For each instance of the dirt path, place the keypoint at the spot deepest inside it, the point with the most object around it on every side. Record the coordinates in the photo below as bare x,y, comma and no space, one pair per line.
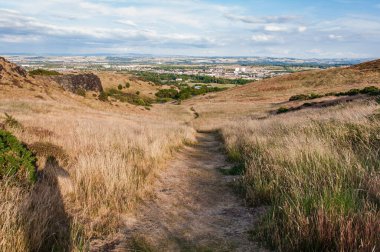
194,207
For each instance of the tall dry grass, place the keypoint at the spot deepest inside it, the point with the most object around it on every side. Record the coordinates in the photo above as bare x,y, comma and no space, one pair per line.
95,164
319,170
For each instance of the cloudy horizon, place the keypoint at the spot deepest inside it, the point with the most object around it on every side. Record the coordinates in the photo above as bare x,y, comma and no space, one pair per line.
327,29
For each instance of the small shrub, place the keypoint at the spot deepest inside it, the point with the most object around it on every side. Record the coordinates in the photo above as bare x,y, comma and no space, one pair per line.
139,102
353,92
11,122
81,92
308,104
16,161
127,85
282,110
300,97
103,96
314,96
138,92
331,94
303,97
167,93
120,87
371,90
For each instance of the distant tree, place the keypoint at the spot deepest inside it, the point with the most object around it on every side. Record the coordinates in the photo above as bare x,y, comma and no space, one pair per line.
138,92
127,85
120,87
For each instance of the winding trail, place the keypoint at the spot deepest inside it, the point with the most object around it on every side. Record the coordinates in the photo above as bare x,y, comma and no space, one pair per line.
194,207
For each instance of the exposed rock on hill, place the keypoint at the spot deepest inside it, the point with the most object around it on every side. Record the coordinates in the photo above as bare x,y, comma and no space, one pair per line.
11,73
74,82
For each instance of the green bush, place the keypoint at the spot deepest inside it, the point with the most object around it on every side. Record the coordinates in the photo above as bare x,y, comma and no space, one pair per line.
167,93
127,85
300,97
120,87
351,92
371,90
128,97
314,96
303,97
81,92
16,161
282,110
137,92
103,96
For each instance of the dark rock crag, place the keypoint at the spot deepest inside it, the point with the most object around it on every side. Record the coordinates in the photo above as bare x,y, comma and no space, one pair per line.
75,82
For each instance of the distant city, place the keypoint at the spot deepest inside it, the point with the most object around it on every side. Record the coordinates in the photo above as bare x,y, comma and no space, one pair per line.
249,68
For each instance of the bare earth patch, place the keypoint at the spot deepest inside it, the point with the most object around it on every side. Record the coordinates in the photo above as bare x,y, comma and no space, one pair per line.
193,208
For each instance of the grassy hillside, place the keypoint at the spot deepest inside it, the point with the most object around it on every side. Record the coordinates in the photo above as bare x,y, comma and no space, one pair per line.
95,160
259,98
317,168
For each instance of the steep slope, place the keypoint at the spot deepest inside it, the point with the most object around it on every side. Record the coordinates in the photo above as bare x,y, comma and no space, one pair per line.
12,74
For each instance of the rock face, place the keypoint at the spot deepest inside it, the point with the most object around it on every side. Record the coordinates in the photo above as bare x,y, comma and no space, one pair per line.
75,82
9,70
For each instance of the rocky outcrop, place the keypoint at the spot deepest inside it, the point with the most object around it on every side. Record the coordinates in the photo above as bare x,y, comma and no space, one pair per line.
75,82
11,73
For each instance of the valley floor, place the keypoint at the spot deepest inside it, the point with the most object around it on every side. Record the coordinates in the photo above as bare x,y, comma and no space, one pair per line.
193,207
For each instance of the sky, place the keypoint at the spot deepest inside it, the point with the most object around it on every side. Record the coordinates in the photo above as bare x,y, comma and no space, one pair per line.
273,28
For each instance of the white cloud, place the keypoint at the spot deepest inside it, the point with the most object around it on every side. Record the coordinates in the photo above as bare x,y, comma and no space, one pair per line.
127,22
302,29
262,38
18,38
335,37
275,28
182,26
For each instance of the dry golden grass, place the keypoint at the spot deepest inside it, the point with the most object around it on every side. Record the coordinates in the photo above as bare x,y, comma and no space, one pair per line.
318,170
259,98
106,155
113,79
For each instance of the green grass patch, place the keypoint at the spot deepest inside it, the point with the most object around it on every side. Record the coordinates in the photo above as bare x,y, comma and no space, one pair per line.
16,161
134,99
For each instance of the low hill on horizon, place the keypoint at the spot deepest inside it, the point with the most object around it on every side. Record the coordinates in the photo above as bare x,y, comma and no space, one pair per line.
259,98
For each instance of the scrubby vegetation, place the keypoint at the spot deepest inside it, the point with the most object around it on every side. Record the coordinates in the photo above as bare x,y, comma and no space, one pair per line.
86,157
165,78
16,161
370,90
320,174
81,92
185,92
43,72
135,99
303,97
282,110
103,96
